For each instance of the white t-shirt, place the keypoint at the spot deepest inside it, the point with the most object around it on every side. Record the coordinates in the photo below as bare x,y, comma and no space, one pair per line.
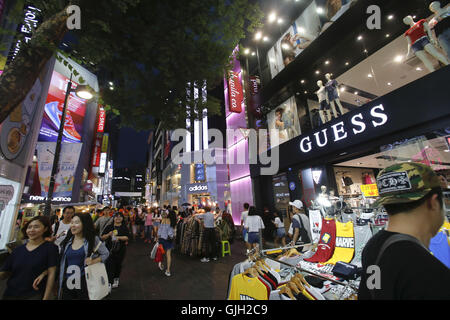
279,223
61,228
254,223
244,216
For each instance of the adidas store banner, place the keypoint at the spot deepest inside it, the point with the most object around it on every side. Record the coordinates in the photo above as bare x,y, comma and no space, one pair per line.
197,188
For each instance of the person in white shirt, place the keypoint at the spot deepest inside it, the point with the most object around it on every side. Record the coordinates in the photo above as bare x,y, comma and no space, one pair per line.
253,224
244,216
60,228
280,232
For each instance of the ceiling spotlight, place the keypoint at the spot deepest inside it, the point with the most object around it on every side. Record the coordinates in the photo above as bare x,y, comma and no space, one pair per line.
398,58
365,51
320,10
305,92
342,89
347,63
111,84
327,62
247,51
391,17
356,92
258,35
388,35
253,53
272,17
280,21
389,84
359,38
317,71
369,75
419,69
303,81
265,39
111,88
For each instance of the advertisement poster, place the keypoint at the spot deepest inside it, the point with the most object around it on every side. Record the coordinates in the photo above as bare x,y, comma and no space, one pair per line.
314,20
76,110
15,131
69,156
284,119
9,192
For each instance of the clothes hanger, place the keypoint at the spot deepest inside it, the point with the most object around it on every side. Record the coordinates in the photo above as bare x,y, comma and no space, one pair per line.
287,291
298,283
294,288
251,272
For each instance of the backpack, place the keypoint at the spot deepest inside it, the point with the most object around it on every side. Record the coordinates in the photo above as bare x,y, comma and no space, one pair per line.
56,227
303,236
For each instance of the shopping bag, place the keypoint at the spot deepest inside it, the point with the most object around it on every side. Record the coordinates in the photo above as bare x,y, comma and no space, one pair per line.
159,254
155,248
97,279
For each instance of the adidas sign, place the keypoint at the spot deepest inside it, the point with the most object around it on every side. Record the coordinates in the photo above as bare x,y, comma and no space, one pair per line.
198,188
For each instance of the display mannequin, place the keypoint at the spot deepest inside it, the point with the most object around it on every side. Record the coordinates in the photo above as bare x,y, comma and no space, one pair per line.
441,25
323,191
333,95
324,111
419,37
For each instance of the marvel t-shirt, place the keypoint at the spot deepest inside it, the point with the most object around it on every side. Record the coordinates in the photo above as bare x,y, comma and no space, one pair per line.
407,271
327,242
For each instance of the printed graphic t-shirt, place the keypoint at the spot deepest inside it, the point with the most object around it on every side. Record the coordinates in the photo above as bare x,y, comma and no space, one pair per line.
246,288
362,236
345,243
327,242
315,220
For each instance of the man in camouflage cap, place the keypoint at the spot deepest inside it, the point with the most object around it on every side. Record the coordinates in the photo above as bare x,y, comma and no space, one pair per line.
411,193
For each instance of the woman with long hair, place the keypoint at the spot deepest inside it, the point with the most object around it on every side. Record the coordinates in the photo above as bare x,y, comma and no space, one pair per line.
116,236
156,221
29,264
166,234
148,226
76,251
253,224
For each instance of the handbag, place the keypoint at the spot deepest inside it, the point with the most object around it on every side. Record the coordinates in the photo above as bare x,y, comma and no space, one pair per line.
153,252
97,279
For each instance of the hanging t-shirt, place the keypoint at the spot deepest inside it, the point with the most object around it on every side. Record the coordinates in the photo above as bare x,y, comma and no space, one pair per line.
327,242
362,236
345,243
417,31
440,248
315,220
246,288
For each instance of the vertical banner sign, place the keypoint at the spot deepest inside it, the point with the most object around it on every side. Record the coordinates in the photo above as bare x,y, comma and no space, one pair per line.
101,120
167,146
235,92
105,142
255,106
96,152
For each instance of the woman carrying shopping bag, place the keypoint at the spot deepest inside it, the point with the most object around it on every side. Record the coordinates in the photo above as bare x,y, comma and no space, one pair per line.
76,253
166,235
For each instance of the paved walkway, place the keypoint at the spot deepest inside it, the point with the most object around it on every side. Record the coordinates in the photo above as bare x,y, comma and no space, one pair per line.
191,279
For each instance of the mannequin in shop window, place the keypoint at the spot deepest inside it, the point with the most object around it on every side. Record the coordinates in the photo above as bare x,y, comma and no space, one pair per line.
440,25
422,42
324,111
332,89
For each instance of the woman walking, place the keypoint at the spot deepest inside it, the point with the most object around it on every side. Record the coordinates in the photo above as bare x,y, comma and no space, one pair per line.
116,235
77,248
29,264
280,231
148,226
165,237
253,224
156,221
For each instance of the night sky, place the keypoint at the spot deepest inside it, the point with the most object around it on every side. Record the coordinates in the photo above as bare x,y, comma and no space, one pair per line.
132,149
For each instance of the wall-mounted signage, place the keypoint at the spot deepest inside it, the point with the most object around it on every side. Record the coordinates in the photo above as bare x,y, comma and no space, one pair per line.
101,120
97,151
105,142
369,190
235,92
102,166
197,188
200,172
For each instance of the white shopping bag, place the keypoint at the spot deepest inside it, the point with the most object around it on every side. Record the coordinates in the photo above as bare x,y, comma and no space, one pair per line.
97,279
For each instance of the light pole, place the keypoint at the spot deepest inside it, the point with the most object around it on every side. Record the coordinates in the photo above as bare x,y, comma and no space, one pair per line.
84,92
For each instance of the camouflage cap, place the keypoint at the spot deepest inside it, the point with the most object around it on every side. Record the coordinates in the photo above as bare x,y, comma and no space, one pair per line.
405,182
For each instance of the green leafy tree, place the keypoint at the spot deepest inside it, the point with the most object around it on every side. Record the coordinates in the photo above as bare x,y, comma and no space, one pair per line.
155,51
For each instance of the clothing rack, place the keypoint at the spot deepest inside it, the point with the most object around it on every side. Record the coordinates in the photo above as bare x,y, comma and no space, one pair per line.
314,274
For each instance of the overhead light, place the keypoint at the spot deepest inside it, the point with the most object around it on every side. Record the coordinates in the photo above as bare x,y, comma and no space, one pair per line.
111,84
317,71
347,63
398,58
320,10
272,17
342,89
365,51
111,88
356,92
253,53
84,92
359,38
280,21
285,46
265,39
303,81
305,92
301,30
258,35
390,17
327,62
369,75
389,84
247,51
414,17
419,69
387,35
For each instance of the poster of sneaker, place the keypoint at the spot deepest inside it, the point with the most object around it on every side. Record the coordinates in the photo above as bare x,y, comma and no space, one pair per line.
51,121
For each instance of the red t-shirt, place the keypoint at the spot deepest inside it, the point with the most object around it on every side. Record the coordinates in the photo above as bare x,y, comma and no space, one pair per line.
417,31
327,242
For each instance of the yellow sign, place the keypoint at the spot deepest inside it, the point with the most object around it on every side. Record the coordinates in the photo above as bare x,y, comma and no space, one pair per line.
369,190
105,143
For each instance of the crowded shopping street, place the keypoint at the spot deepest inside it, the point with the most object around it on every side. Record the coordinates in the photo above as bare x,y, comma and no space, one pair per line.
213,157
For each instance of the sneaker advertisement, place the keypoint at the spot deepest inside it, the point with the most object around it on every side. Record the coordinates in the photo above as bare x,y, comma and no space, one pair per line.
76,110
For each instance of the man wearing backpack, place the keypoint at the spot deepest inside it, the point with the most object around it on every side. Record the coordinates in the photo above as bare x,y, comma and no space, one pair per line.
396,262
61,227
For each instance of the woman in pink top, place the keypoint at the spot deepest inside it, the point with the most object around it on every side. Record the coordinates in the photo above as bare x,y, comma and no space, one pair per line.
148,226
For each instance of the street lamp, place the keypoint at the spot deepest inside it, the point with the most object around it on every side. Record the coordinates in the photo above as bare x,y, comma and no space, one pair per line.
84,92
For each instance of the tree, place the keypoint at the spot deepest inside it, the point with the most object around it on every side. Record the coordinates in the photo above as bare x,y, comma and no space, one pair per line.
155,52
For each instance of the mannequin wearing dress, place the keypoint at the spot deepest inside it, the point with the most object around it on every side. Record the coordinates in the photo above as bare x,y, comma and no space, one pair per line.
422,42
333,95
324,111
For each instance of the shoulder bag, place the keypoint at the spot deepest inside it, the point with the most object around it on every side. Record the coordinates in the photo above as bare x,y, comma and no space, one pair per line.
97,279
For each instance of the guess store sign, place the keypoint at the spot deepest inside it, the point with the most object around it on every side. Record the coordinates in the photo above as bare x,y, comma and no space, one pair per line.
235,92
